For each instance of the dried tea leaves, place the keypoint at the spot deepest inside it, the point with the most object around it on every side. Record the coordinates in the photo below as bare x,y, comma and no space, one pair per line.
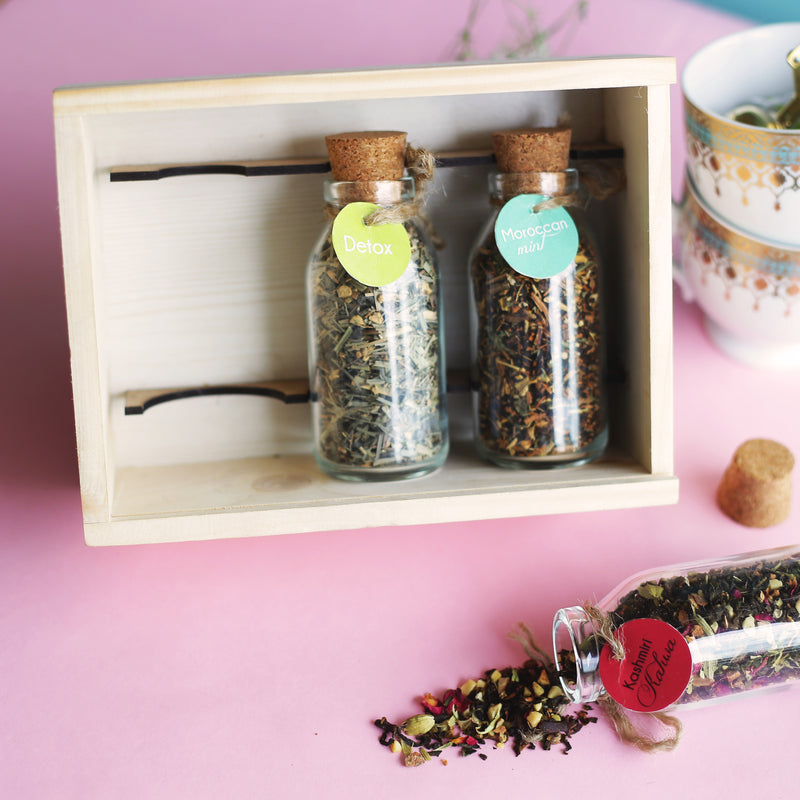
539,358
524,706
377,384
759,605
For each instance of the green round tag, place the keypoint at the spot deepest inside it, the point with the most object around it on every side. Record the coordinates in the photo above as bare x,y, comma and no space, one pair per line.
375,255
537,244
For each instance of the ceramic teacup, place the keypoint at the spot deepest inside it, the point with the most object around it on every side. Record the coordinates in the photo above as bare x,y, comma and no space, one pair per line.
748,175
748,288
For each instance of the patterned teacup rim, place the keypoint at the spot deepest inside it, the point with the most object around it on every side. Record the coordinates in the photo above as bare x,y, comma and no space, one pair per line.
741,68
738,247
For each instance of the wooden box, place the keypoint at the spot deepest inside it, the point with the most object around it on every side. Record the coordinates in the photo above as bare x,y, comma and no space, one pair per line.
188,211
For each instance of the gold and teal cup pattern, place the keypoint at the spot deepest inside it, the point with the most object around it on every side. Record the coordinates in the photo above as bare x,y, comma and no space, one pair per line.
748,176
747,288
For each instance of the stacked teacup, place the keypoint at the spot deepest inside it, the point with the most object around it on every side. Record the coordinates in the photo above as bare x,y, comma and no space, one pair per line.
738,247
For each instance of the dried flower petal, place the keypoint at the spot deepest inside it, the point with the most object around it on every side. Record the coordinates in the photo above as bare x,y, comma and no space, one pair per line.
433,704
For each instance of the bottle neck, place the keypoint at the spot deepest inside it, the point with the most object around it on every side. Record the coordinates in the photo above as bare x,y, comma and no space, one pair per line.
575,636
505,185
382,193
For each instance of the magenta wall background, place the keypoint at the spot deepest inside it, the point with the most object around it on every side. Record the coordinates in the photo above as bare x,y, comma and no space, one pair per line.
252,668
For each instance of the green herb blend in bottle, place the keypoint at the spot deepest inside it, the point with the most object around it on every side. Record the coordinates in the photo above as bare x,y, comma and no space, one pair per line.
376,360
537,334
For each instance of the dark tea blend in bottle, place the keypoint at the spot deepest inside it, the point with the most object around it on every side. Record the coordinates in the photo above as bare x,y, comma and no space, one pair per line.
376,361
686,634
537,332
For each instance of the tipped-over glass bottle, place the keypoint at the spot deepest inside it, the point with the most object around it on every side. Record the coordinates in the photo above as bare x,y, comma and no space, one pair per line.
690,633
376,351
536,317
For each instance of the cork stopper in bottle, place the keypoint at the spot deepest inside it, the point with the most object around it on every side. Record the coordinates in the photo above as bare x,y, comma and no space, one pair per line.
367,155
532,149
756,487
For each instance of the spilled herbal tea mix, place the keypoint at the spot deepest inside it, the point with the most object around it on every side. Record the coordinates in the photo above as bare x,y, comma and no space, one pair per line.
538,344
685,634
524,707
375,317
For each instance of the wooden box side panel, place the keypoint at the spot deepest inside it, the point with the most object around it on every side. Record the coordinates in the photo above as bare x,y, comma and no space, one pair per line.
85,316
662,416
638,118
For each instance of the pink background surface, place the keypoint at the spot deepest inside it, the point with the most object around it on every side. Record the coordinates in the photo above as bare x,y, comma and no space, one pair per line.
253,668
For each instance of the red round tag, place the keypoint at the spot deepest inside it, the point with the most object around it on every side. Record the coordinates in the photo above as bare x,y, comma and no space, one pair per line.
656,669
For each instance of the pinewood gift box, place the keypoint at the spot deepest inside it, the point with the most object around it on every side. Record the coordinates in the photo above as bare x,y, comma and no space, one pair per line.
188,211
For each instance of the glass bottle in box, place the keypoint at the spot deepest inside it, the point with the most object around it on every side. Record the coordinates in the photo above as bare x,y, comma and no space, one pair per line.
376,350
689,633
536,316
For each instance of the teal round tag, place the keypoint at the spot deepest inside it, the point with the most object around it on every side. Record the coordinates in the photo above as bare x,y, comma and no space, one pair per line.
537,244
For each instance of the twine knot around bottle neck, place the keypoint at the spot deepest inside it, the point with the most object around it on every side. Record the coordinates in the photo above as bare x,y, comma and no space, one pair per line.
399,200
573,187
588,631
555,188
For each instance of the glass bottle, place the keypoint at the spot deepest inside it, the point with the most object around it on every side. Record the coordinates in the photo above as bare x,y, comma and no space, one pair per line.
376,352
736,621
536,316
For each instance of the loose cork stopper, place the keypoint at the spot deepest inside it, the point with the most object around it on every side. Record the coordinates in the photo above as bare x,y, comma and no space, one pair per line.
756,487
532,149
367,155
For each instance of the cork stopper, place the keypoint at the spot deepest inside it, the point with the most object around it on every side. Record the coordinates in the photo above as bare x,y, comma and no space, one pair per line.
532,149
756,487
367,155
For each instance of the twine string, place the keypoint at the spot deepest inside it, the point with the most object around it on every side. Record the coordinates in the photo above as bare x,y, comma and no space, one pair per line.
643,731
604,628
559,201
632,727
598,181
421,166
524,636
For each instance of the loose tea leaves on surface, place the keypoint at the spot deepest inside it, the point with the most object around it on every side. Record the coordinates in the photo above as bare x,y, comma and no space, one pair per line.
743,624
378,383
522,705
540,388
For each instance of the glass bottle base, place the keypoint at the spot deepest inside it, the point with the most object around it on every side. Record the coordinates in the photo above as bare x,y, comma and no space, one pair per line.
575,458
378,474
